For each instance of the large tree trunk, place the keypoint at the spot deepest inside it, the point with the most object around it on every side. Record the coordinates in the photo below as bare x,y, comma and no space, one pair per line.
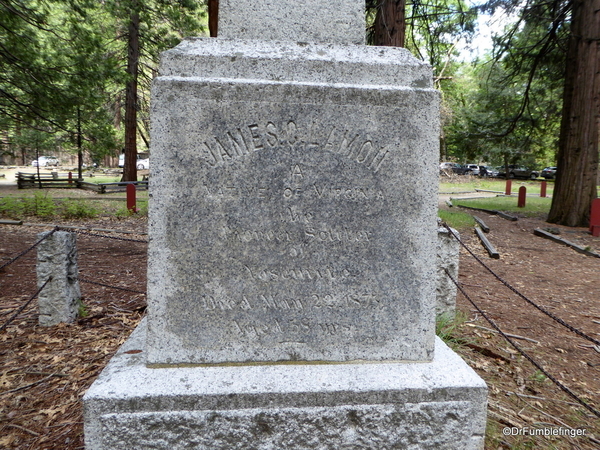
576,177
390,24
133,56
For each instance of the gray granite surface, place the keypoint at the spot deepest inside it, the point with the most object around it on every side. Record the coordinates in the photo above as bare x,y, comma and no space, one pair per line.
291,220
340,21
436,405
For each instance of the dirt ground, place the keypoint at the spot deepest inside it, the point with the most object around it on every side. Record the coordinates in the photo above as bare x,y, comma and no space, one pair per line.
44,372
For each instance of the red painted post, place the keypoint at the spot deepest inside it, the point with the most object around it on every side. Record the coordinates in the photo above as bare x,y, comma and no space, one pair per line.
595,218
522,195
508,187
70,178
131,198
543,189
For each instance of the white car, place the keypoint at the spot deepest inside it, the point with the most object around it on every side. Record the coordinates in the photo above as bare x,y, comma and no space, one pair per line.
143,164
44,161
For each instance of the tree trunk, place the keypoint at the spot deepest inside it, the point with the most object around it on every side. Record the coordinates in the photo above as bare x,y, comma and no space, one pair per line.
577,163
390,24
213,17
79,147
133,56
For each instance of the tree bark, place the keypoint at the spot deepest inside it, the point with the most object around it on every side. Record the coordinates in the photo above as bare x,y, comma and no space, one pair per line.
213,17
133,56
576,177
390,25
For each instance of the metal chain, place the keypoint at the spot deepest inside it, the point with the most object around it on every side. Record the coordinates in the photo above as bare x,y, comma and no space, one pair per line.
25,305
522,352
548,313
84,280
23,253
86,233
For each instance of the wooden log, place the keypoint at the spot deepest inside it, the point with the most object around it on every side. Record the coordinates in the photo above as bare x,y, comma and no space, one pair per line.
507,216
487,244
492,212
577,248
482,224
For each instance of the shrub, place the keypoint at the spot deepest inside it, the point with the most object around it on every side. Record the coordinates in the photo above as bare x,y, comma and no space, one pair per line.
78,209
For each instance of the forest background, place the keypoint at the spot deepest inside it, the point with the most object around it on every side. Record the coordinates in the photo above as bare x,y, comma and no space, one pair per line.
75,79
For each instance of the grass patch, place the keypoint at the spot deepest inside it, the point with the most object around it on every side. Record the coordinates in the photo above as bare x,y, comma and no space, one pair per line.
43,206
471,184
534,206
456,219
447,328
102,179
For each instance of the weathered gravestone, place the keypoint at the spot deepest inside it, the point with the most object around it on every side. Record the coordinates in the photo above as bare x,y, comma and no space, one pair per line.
292,273
60,298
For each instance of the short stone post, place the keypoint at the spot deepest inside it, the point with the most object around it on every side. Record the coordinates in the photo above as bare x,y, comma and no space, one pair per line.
595,218
522,197
57,258
543,189
447,259
131,202
508,189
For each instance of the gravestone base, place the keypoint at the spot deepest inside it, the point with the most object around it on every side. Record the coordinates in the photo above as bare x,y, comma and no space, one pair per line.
362,405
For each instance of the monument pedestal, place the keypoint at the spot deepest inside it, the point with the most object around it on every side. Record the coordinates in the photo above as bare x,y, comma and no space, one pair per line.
362,405
292,254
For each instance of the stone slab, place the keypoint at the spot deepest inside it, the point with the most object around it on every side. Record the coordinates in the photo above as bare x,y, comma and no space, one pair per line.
436,405
342,21
282,62
291,220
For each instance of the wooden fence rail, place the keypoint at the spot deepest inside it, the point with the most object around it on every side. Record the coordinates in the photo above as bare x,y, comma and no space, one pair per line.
56,180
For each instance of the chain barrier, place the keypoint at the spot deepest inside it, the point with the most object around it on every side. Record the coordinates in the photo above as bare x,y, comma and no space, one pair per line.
87,233
532,303
20,310
522,352
23,253
84,280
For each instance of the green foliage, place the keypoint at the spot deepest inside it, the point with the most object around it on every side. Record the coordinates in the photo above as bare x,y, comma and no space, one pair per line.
142,210
62,69
78,209
40,206
82,309
11,208
456,219
538,376
508,110
447,327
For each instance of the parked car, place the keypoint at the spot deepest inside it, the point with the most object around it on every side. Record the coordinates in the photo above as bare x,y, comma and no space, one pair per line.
515,171
474,169
549,173
44,161
143,164
488,171
454,168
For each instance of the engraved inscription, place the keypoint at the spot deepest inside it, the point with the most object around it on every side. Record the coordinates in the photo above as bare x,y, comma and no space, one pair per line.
351,300
297,273
253,329
245,140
